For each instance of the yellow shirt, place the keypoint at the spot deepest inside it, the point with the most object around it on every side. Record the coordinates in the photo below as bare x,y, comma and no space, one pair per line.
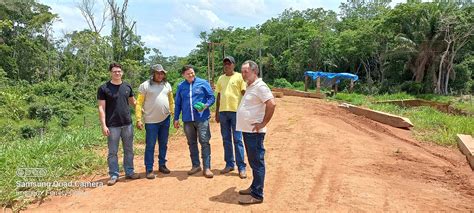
230,88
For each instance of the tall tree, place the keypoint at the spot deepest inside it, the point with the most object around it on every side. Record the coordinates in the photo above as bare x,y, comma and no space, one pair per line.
87,8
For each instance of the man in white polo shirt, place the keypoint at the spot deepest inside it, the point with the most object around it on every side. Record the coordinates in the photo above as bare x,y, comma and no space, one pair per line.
254,112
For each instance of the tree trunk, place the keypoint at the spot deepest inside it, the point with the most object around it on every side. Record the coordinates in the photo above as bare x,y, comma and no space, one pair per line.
438,89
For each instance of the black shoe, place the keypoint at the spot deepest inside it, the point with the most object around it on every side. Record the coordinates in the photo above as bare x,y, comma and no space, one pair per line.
163,169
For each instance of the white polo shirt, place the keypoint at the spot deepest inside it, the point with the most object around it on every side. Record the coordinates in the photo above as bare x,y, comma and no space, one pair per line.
252,107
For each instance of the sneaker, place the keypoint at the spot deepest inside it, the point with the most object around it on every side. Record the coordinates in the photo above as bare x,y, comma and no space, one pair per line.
227,170
194,170
248,199
245,191
150,175
112,181
242,174
164,170
134,176
207,173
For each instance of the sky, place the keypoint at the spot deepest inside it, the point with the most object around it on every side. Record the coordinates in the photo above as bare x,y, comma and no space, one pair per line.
173,26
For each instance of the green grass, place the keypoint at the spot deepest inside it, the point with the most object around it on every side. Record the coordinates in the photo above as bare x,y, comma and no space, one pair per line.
66,153
353,98
467,106
395,96
63,154
429,124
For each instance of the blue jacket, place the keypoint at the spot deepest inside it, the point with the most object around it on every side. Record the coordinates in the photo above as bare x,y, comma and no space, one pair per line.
189,94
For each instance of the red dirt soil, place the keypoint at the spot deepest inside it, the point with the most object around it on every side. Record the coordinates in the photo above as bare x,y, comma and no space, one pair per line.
318,157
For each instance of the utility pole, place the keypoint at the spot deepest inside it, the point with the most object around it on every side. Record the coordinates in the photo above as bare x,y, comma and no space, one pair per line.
260,53
210,60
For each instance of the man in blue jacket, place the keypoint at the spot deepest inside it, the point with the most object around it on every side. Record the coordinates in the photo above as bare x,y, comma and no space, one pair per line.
193,98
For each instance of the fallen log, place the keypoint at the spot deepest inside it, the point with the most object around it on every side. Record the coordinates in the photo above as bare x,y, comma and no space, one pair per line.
382,117
278,94
297,93
466,145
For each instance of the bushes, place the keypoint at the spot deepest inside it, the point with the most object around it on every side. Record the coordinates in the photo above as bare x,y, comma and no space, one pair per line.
65,116
282,83
366,89
49,88
412,87
41,112
12,105
28,131
299,85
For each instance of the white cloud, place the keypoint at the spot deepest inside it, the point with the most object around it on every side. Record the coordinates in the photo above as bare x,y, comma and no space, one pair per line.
200,18
205,4
152,40
173,26
301,4
193,18
70,18
168,44
247,8
177,25
395,2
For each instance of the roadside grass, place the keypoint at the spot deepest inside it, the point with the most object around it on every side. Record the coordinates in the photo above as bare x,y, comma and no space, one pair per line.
62,155
65,153
429,124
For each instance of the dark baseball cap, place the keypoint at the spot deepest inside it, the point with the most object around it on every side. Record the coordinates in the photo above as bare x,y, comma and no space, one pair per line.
229,58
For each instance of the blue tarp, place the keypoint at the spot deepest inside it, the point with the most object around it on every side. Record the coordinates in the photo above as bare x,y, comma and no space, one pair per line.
327,75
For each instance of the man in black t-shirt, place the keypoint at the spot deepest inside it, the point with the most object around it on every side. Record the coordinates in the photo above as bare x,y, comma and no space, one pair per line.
115,98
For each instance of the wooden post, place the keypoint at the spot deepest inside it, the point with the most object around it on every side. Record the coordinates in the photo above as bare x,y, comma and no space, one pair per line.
306,83
333,86
212,70
208,63
318,85
351,86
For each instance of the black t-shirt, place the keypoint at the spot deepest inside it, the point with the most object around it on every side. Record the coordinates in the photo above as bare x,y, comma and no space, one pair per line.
117,112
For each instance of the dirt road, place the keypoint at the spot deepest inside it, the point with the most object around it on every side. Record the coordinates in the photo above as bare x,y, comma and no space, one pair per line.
319,157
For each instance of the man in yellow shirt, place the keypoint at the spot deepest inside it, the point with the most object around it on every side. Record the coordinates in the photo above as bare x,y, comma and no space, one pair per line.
230,89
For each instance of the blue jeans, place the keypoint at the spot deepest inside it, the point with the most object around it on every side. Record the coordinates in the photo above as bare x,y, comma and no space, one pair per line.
155,131
227,121
256,155
195,130
126,133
